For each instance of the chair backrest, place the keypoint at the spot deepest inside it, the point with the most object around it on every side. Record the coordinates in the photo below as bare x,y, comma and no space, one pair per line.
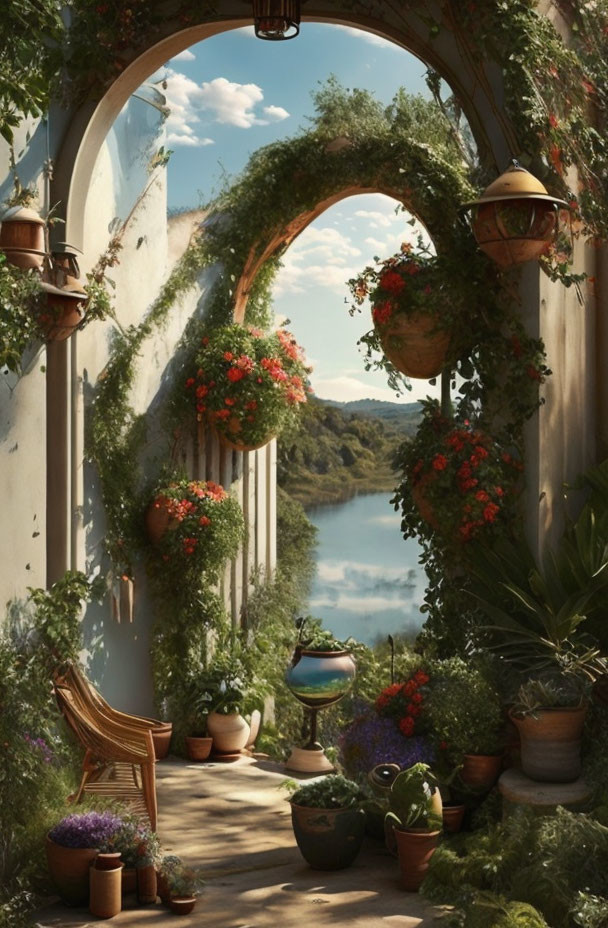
71,676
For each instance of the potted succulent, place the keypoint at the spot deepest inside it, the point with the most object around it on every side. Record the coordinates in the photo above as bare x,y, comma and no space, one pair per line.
198,698
179,885
248,384
71,847
413,303
536,625
328,821
413,822
194,527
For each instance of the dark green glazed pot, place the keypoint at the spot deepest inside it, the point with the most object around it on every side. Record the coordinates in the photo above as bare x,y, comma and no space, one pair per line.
329,839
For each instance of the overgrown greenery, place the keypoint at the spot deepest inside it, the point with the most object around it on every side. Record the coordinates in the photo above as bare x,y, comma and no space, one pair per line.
38,768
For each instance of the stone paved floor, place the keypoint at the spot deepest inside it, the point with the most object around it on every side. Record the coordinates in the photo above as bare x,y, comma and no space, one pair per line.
234,821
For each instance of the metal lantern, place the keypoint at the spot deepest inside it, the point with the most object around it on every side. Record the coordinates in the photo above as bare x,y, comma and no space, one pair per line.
65,261
515,220
276,20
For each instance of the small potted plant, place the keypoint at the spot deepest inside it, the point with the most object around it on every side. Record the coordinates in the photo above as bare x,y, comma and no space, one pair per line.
72,845
413,822
233,684
184,884
198,699
328,821
194,527
464,714
140,851
248,384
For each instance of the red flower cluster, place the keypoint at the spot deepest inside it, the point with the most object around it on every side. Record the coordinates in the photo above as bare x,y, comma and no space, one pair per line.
462,484
403,702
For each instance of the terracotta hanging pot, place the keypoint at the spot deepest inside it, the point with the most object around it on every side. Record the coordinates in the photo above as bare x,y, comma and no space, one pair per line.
65,310
422,503
158,520
22,237
415,345
480,771
230,436
415,849
551,743
198,749
230,731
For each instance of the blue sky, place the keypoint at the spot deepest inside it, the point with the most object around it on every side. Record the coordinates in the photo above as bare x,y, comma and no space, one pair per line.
232,94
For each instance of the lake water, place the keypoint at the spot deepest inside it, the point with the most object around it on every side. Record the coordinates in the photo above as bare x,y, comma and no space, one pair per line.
368,582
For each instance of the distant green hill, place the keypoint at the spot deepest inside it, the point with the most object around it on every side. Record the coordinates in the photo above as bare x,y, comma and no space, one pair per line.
404,416
342,449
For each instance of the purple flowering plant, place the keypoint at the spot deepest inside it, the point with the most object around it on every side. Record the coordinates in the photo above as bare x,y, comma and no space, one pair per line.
39,744
371,740
86,829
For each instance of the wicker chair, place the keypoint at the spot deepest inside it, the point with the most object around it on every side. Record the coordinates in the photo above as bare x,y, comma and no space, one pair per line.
69,675
119,756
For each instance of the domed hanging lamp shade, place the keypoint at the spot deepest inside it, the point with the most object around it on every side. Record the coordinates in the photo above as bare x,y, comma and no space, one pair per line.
276,20
515,220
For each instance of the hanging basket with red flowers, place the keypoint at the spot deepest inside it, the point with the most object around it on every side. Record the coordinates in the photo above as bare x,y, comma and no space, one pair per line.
194,527
460,481
249,385
412,299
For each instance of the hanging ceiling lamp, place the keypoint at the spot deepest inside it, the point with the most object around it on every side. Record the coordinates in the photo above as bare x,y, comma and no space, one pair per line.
276,20
515,219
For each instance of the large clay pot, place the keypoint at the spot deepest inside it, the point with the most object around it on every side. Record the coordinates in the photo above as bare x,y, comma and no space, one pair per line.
415,849
105,891
416,346
230,732
551,744
320,678
481,771
199,749
329,839
161,736
69,870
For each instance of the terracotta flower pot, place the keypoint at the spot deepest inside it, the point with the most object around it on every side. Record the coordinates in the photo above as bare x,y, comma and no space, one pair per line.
108,861
105,891
65,311
230,732
328,839
198,749
161,736
415,849
551,744
146,885
158,520
453,814
480,771
162,888
22,237
69,871
229,435
129,880
416,346
182,905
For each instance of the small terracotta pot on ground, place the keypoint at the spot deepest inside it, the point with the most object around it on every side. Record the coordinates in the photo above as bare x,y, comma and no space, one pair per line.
161,736
105,891
480,771
198,749
146,885
453,814
230,731
129,880
182,905
415,849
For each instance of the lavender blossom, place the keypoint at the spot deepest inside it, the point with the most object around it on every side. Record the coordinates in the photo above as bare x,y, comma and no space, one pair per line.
370,740
86,829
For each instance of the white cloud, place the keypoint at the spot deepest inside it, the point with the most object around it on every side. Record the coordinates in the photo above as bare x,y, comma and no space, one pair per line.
380,247
187,141
186,55
370,37
276,113
231,103
350,388
378,218
342,571
364,604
